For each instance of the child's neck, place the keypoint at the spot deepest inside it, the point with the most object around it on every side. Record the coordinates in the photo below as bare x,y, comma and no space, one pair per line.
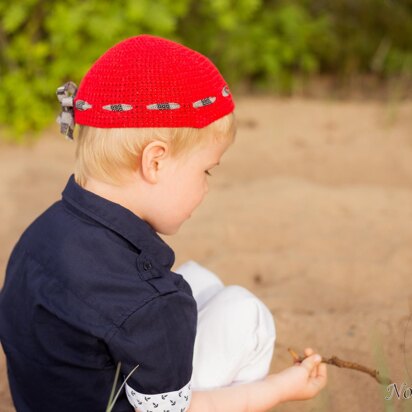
120,194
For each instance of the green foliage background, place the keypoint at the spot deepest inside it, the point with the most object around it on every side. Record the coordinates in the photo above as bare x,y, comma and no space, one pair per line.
265,44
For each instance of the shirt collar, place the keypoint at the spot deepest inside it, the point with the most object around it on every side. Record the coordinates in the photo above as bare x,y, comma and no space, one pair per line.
119,219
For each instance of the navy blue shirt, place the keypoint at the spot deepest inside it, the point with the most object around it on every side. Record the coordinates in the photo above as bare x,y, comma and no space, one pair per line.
88,285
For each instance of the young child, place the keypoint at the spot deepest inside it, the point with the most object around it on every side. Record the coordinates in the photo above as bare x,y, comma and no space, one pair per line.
90,284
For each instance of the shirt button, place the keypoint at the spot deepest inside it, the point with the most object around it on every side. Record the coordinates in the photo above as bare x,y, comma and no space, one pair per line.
147,265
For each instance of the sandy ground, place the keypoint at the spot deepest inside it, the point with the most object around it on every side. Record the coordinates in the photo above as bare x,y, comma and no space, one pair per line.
311,209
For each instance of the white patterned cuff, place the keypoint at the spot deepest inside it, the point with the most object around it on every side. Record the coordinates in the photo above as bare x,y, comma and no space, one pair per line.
177,401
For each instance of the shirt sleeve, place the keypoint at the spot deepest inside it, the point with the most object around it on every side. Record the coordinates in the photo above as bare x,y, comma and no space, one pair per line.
159,337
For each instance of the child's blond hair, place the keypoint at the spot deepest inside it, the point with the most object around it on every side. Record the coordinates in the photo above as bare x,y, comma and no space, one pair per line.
109,155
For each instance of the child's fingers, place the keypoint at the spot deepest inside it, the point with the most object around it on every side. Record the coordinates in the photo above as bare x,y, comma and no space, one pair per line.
310,364
321,376
322,370
308,351
321,379
316,369
314,372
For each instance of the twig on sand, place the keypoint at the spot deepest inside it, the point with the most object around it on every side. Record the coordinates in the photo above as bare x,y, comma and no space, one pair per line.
334,360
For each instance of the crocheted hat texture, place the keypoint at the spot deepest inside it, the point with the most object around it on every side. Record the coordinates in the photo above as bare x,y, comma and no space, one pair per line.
149,81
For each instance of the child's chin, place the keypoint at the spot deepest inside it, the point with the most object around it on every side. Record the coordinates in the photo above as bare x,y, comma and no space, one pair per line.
169,231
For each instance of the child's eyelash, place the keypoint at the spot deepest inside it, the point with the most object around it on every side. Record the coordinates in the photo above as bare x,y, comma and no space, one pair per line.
208,173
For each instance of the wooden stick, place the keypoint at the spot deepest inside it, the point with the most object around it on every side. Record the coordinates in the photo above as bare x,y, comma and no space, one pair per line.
334,360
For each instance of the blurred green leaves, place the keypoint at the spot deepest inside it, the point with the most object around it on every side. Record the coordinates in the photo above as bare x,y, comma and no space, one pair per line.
44,43
265,44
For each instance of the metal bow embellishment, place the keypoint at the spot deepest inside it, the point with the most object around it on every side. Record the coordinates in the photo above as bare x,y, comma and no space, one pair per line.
66,95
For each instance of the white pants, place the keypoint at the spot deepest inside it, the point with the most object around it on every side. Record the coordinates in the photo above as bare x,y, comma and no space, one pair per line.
235,331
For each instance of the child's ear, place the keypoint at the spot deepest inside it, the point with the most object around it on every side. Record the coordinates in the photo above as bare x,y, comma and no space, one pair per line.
153,156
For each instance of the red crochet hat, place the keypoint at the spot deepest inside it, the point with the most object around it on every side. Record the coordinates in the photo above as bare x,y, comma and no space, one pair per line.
149,81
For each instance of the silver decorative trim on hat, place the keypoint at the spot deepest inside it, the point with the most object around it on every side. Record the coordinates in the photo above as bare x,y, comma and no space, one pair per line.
204,102
65,95
82,105
163,106
225,91
118,107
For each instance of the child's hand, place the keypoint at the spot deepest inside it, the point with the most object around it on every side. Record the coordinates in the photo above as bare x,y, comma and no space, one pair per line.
303,380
